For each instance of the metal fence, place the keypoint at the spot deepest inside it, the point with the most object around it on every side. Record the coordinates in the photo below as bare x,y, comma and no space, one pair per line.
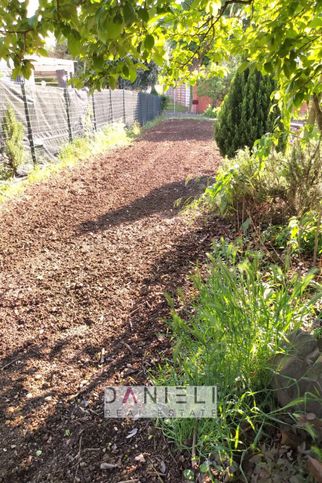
54,116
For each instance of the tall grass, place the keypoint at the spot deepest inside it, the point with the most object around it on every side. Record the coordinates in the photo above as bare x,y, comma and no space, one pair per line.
239,322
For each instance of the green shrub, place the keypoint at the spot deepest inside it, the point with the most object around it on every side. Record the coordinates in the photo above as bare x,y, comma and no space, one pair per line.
245,114
12,131
298,235
211,112
164,101
239,322
265,181
243,184
302,170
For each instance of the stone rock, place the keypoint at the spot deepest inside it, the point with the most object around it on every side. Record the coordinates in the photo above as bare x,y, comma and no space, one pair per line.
24,170
298,374
108,466
315,469
313,378
320,344
303,343
285,381
314,422
315,371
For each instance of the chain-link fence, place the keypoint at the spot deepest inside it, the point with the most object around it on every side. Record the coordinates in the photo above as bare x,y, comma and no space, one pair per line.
179,99
53,116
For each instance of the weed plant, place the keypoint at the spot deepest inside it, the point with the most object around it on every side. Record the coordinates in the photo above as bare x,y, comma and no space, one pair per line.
240,321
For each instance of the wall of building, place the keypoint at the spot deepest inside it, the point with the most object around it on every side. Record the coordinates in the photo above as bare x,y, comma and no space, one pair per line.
199,103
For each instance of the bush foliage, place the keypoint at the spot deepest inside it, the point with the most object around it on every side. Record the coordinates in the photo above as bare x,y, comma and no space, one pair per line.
267,187
288,183
245,114
211,112
13,141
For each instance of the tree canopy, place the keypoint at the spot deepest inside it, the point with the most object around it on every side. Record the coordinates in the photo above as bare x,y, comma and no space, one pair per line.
114,39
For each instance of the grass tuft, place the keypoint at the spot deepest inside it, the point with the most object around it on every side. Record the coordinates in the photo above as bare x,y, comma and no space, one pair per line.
240,321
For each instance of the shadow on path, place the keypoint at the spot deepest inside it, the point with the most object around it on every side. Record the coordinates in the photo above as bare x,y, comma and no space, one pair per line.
161,201
74,423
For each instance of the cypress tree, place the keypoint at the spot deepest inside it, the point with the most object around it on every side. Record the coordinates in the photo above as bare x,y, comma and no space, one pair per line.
245,113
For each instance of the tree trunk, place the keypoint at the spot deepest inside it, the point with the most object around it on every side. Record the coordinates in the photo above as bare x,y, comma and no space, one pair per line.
318,112
312,116
317,236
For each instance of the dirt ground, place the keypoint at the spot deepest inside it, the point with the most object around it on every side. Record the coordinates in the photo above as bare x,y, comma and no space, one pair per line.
85,260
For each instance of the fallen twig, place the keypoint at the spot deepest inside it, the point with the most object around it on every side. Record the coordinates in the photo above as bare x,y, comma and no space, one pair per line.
127,346
78,456
9,364
193,449
156,471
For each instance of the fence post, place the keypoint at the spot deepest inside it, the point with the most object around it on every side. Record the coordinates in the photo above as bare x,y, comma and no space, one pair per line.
61,76
28,122
111,107
147,119
143,109
66,97
94,113
124,112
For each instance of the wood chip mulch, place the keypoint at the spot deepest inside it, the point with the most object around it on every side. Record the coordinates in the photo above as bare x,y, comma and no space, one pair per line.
85,260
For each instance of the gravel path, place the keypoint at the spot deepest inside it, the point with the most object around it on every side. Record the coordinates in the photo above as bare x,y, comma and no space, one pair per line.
85,259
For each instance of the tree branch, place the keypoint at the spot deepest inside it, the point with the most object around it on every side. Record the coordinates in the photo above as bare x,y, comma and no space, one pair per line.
318,112
213,22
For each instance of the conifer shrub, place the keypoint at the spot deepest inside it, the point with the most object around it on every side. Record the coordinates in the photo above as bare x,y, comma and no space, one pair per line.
13,150
245,114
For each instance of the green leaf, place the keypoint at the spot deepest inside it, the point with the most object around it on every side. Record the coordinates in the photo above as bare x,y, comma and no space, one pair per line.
243,66
316,22
74,44
32,21
268,67
298,99
109,31
26,68
189,475
125,70
158,58
112,80
132,75
128,13
143,14
118,19
91,23
98,62
204,467
149,42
